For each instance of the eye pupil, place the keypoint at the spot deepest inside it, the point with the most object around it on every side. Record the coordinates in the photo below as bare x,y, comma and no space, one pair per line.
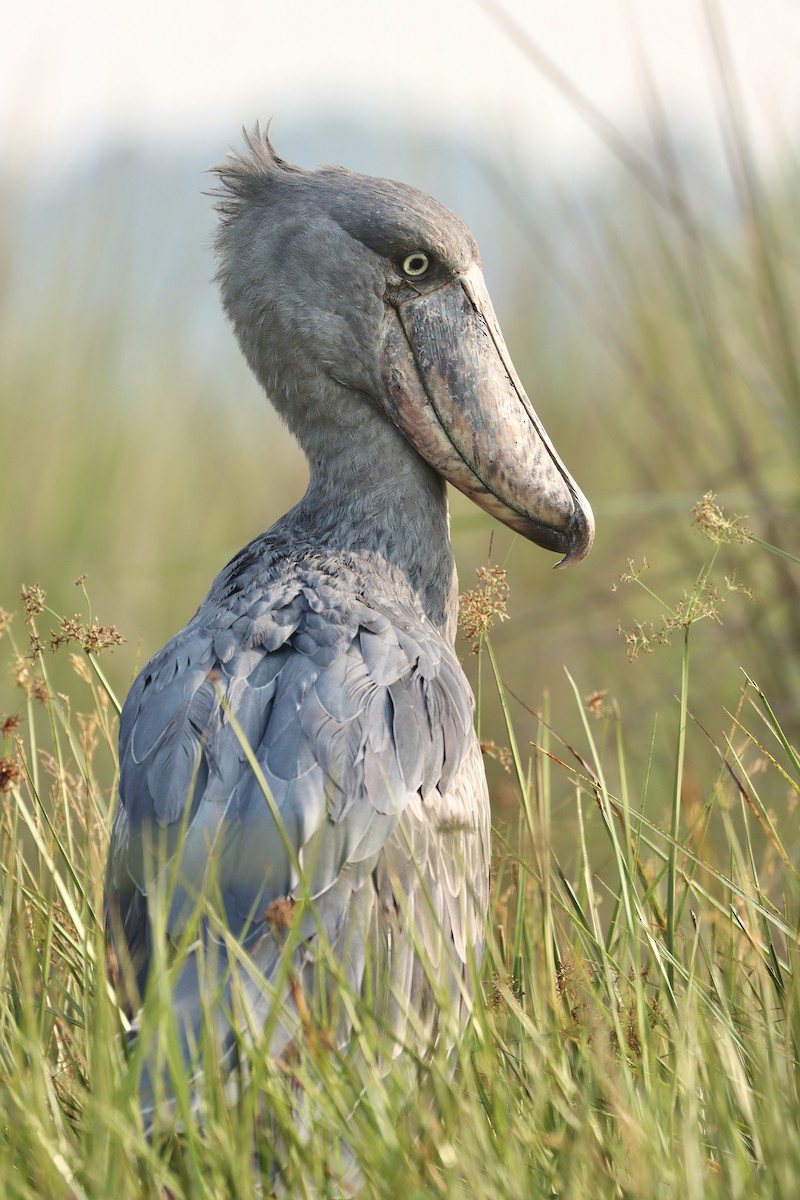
416,264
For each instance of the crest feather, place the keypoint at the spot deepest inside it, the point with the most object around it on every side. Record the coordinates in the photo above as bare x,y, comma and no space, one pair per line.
243,176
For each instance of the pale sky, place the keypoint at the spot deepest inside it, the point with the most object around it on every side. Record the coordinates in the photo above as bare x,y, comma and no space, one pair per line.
73,73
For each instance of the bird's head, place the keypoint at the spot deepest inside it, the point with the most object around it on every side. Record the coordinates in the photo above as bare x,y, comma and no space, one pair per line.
338,283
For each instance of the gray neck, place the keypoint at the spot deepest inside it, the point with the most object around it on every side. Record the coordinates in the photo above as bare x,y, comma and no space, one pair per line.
370,492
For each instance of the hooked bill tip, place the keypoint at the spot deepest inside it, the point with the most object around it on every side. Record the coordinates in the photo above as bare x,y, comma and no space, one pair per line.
575,555
582,535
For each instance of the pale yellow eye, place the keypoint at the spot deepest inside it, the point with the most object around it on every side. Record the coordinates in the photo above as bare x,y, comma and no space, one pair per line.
416,264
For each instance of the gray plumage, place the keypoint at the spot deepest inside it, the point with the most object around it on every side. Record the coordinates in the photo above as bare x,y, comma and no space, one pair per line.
325,651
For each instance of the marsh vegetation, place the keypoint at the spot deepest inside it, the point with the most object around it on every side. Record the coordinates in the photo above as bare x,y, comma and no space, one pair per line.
638,1031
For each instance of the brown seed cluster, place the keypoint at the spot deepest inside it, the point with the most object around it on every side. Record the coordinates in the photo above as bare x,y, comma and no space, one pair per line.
501,753
596,705
33,597
9,724
9,773
642,638
633,573
711,520
94,638
702,601
280,912
91,636
481,606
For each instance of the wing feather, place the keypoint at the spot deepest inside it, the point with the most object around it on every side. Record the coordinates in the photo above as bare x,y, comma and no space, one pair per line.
353,711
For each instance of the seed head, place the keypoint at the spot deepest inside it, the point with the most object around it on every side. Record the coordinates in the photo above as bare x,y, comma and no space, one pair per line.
480,606
33,598
9,773
8,724
595,704
93,638
280,912
501,753
711,520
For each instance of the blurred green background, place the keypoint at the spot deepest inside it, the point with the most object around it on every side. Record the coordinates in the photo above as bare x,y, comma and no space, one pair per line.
650,301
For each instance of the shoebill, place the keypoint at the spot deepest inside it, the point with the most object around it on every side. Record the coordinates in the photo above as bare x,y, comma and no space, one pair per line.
299,764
